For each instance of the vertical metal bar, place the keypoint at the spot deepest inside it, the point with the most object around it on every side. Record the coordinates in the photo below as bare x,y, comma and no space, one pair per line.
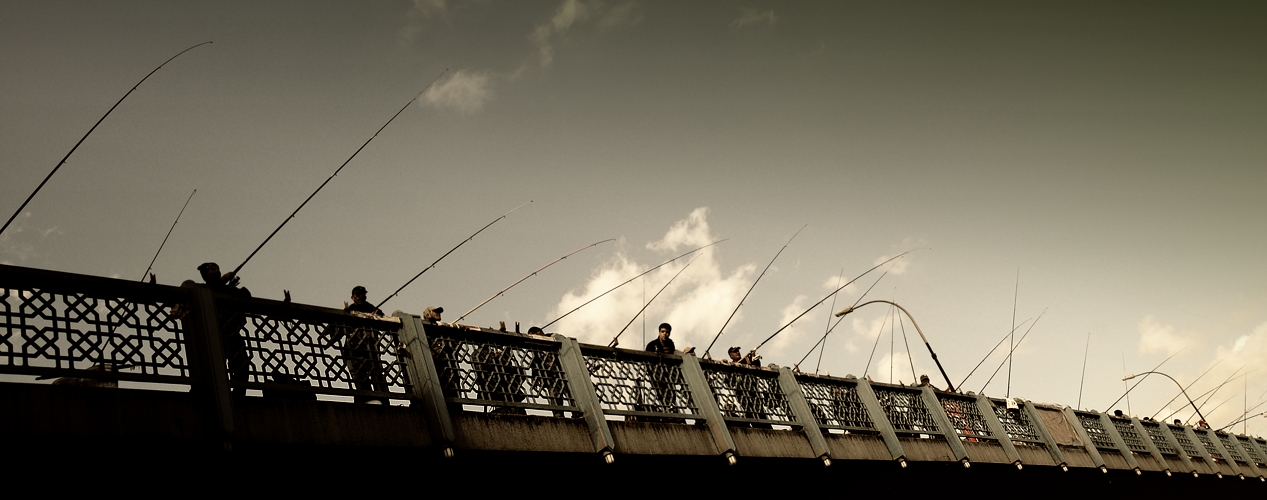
1076,423
208,371
1148,443
1205,454
943,421
1253,471
693,373
800,408
881,420
1111,429
573,364
996,428
428,389
1052,447
1227,457
1174,443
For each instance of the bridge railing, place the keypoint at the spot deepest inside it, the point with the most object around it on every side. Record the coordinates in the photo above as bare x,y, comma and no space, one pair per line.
966,417
66,325
1017,423
639,384
836,404
501,372
907,411
747,394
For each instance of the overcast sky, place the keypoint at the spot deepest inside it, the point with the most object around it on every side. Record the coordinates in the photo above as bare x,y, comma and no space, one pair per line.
1110,153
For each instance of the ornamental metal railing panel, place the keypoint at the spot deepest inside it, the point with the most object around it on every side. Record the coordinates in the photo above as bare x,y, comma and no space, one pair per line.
965,417
94,331
1232,450
835,403
639,384
1130,436
905,409
747,394
1249,448
297,350
1016,422
1156,434
1189,448
1208,443
503,372
1095,430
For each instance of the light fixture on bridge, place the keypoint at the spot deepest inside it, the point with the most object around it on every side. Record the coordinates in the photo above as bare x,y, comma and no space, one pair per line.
1194,474
1104,469
1064,468
1138,472
1218,475
902,462
730,458
448,452
1019,466
826,460
966,463
608,457
1167,472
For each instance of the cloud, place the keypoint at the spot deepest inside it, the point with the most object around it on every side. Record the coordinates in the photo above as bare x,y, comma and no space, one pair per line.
625,14
465,92
697,303
897,267
20,240
1156,337
417,15
749,16
575,13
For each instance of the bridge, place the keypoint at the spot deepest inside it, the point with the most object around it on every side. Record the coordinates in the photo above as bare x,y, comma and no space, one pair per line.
460,399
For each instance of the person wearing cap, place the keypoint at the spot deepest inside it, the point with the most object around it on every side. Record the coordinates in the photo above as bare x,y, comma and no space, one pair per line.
231,322
749,360
432,315
360,350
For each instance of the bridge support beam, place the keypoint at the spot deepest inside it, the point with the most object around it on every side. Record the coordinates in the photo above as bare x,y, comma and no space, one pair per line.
1218,447
996,428
800,408
1111,429
702,393
1148,442
881,420
943,421
1052,447
428,389
207,363
1174,443
1076,423
578,376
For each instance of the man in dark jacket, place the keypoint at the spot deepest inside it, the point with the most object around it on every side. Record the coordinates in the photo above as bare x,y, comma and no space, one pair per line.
231,322
662,344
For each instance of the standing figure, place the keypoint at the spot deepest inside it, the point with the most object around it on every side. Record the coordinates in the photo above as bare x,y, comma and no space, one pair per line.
360,350
659,393
231,321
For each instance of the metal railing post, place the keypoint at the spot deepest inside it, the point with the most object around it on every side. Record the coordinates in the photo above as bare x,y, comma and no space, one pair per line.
1249,459
881,420
428,389
693,373
800,408
943,421
996,427
1052,447
1196,442
1087,443
1148,443
1174,443
578,376
1111,429
210,377
1218,444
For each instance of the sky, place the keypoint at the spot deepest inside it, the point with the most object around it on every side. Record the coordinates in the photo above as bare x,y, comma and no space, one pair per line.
1098,165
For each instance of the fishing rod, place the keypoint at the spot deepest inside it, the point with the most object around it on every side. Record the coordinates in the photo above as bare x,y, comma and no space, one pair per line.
1257,403
644,273
1244,418
446,254
616,340
826,328
1141,379
1209,393
169,233
879,333
824,299
745,295
534,273
1184,388
336,172
1216,391
996,347
1083,380
1009,353
1015,293
909,358
94,127
833,327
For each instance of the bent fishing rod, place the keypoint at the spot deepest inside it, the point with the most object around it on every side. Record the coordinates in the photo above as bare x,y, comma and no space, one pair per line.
1142,378
1210,392
169,234
824,299
996,347
823,340
94,127
616,340
745,295
446,254
1217,389
644,273
1183,389
1010,351
531,274
336,172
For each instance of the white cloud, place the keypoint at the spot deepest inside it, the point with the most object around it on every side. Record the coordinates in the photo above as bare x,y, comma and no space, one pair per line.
749,16
575,13
20,240
465,92
417,15
1156,337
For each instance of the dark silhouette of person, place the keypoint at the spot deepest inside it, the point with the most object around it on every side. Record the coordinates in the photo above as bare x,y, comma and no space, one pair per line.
360,350
231,322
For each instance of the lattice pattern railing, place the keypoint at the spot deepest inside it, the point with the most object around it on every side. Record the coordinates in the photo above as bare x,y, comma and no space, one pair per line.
1249,448
835,404
503,371
1208,443
67,328
1157,435
1232,450
633,383
747,394
965,417
1130,436
1017,424
1095,430
906,410
1189,448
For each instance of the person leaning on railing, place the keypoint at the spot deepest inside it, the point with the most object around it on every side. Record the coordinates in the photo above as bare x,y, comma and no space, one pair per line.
230,320
360,350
